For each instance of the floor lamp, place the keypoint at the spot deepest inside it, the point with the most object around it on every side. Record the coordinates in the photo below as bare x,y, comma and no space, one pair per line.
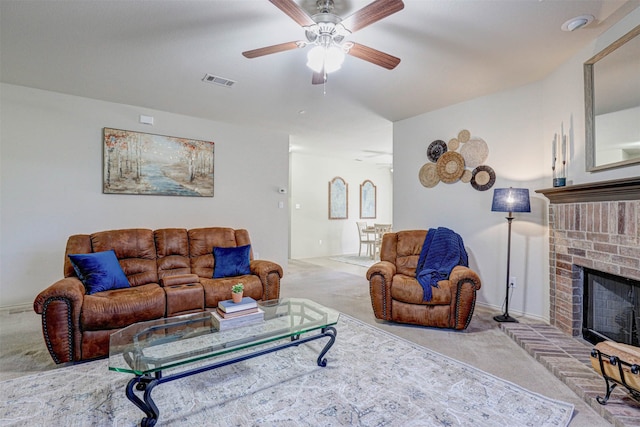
509,200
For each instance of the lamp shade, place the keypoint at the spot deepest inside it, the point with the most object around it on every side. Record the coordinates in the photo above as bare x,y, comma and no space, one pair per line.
511,200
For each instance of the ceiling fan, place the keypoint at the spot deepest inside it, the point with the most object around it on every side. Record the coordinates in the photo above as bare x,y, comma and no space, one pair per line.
327,31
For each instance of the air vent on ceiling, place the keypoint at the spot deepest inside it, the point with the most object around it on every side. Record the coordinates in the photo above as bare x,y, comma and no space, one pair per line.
217,80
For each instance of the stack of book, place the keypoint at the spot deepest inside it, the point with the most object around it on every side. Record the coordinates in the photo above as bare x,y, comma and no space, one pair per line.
230,314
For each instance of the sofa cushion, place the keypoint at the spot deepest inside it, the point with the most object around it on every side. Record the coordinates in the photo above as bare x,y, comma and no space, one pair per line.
403,249
231,262
76,244
201,242
216,290
408,290
135,250
99,271
172,251
122,307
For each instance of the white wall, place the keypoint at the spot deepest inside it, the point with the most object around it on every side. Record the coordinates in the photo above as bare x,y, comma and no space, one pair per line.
563,100
51,183
518,126
51,161
508,122
310,224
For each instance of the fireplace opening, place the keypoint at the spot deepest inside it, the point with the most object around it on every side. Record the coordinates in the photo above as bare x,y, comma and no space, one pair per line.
611,308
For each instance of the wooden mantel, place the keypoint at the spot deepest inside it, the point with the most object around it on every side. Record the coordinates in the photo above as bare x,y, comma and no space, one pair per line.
602,191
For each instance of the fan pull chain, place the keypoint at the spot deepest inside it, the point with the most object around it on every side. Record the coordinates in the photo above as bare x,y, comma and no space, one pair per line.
324,83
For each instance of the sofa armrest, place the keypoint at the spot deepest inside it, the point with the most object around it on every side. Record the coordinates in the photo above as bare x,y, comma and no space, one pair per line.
380,276
461,273
60,306
464,283
70,288
384,268
261,267
270,274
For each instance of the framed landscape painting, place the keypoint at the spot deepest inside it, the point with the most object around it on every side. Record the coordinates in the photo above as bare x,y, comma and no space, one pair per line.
143,163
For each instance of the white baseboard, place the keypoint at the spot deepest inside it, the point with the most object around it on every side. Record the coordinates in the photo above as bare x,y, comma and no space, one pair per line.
514,312
18,308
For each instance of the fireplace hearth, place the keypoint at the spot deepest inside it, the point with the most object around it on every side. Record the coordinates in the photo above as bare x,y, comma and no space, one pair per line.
611,309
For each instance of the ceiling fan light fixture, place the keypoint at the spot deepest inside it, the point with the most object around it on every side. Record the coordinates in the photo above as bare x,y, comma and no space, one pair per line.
333,59
315,59
330,59
326,32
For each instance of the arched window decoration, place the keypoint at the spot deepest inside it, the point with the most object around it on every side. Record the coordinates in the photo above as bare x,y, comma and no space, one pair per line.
367,200
338,198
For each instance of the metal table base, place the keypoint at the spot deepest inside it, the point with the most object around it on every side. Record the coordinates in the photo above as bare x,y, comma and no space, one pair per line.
146,383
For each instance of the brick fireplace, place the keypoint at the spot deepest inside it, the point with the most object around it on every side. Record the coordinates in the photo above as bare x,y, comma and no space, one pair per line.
593,226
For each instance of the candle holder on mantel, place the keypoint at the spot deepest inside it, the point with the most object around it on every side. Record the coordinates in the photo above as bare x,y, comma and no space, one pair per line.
559,181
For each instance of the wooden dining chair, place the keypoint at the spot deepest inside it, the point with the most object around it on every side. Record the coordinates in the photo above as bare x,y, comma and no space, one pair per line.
379,231
365,238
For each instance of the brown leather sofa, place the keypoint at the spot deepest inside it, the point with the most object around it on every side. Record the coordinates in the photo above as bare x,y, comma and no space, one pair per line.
170,272
396,295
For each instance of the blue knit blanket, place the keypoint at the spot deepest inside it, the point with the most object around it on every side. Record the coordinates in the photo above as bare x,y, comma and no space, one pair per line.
442,250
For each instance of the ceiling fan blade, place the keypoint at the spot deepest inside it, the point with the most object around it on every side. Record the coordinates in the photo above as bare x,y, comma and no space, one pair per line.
371,13
318,78
294,12
374,56
271,49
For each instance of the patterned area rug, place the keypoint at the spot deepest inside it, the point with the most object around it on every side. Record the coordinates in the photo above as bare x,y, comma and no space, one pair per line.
372,378
363,261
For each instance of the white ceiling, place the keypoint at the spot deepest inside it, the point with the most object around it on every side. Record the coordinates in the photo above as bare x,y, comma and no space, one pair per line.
155,53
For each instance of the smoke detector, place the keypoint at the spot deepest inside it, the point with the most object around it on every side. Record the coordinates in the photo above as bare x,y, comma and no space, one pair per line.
577,22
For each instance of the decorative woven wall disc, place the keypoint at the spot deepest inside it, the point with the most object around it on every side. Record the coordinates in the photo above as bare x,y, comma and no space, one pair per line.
436,149
450,167
466,176
464,135
429,175
483,178
474,152
453,144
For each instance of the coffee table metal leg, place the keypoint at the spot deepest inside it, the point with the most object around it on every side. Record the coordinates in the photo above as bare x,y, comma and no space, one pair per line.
331,333
146,383
148,406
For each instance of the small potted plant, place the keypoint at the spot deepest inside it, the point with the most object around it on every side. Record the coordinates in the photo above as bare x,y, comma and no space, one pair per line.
236,292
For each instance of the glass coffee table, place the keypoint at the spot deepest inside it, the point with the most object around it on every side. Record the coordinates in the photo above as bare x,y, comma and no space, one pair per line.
191,344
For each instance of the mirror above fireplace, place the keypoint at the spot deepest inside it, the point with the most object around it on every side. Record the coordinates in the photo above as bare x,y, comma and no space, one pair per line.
612,105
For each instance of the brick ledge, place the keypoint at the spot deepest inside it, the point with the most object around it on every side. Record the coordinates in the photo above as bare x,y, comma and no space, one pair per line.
568,359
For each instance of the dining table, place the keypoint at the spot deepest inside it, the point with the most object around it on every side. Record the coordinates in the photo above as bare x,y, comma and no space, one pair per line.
377,231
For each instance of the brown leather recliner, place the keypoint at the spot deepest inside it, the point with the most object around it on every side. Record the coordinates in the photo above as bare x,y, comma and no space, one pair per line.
396,294
170,272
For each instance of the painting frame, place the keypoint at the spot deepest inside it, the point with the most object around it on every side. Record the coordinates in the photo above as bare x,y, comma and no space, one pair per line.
338,198
368,196
140,163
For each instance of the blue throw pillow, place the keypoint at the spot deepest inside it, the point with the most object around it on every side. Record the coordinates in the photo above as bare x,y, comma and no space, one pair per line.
99,271
230,262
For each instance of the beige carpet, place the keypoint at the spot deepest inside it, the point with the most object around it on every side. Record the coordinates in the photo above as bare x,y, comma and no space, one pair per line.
373,378
343,287
363,261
